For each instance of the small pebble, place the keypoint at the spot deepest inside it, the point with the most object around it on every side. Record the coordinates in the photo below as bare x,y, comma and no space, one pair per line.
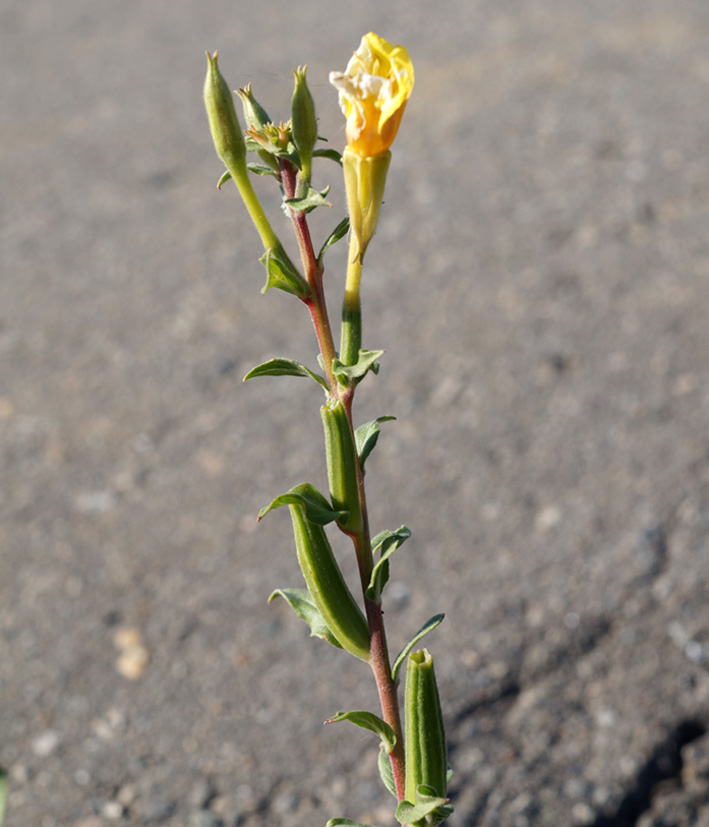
46,743
134,655
112,810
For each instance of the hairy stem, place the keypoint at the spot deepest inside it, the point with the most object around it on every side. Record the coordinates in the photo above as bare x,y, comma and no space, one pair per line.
379,651
315,303
351,343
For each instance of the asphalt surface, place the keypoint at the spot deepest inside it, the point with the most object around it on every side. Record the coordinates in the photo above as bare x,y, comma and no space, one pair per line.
540,281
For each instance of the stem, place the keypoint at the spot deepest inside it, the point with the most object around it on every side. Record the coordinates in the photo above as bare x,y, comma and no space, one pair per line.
379,651
253,205
350,347
351,308
316,304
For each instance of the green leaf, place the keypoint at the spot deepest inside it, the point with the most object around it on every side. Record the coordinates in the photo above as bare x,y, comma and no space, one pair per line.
226,175
282,274
389,541
339,232
367,720
302,604
366,437
260,169
428,809
386,772
345,822
284,367
332,154
367,361
427,627
3,794
317,509
308,202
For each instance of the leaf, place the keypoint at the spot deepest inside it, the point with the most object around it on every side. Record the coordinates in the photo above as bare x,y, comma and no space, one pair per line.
284,367
332,154
367,361
282,274
389,541
308,202
427,627
225,177
302,604
317,509
386,772
428,806
367,720
344,822
339,232
366,437
260,169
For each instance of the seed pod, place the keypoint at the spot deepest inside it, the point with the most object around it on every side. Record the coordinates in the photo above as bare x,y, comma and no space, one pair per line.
327,586
342,465
425,739
226,131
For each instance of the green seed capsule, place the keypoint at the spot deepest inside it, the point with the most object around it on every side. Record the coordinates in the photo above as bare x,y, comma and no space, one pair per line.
342,465
226,130
425,739
327,586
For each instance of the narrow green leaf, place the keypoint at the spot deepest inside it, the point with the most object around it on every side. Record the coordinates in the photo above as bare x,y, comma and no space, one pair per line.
309,201
284,367
389,542
367,361
427,627
367,435
386,772
226,175
302,604
339,232
332,154
428,806
317,509
260,169
367,720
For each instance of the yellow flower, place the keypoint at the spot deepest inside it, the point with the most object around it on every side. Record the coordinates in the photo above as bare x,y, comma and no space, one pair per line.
373,91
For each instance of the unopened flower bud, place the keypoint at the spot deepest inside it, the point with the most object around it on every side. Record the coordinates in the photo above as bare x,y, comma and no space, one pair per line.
254,114
305,125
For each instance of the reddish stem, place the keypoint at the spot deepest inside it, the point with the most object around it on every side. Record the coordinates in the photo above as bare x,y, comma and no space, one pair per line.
381,667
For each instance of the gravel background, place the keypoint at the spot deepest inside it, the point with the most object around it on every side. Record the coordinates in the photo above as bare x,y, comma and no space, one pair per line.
540,281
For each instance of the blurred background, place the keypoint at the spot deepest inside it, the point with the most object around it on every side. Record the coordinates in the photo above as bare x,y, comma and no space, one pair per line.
540,281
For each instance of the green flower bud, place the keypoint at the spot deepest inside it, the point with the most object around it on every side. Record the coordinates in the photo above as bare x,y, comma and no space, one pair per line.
254,114
305,125
425,737
365,179
342,465
327,586
256,119
226,131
